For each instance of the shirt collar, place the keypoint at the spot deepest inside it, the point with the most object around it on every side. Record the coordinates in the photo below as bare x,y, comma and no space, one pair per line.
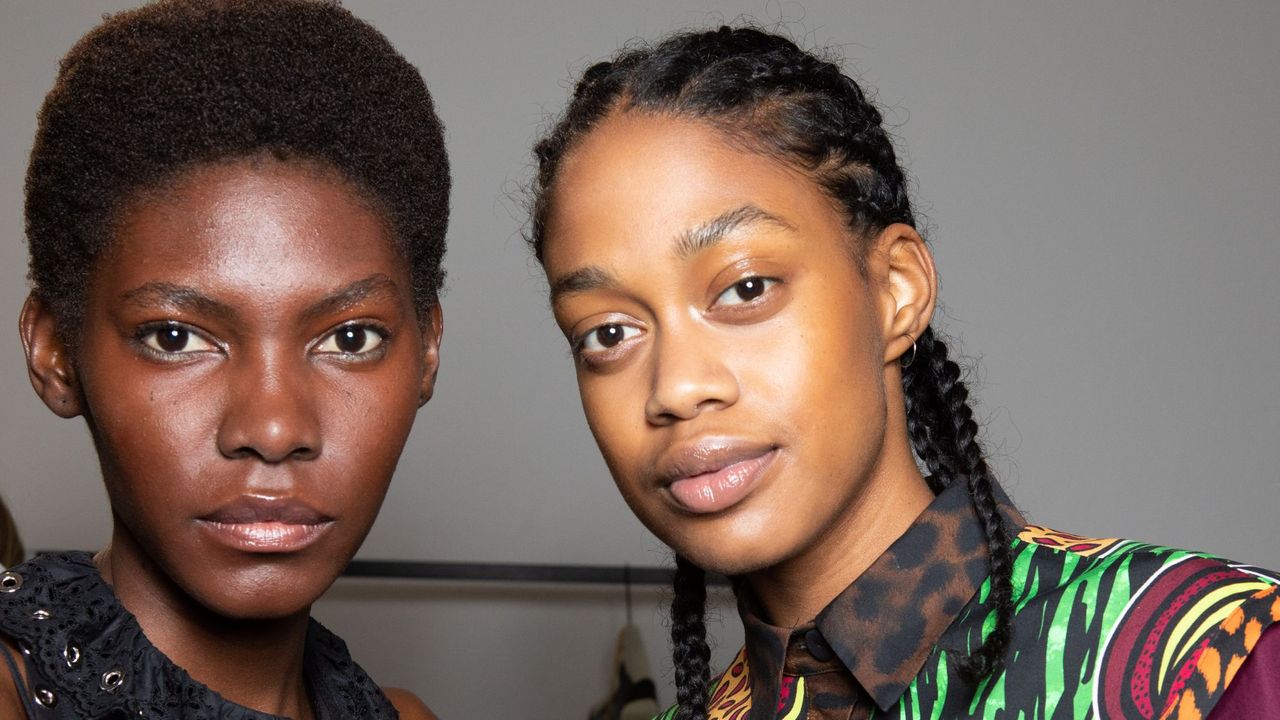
885,624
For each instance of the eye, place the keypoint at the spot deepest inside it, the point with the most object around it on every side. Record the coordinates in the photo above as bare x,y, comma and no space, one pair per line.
174,339
745,290
604,337
353,339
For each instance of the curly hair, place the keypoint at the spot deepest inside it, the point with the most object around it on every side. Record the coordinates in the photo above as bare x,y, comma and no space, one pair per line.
156,90
768,96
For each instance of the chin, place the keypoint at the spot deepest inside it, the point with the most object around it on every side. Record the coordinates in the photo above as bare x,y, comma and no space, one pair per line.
266,594
737,548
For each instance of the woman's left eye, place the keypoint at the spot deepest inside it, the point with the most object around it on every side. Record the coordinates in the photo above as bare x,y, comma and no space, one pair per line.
354,339
745,290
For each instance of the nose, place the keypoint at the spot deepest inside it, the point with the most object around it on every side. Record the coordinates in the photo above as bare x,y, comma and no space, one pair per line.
690,375
271,414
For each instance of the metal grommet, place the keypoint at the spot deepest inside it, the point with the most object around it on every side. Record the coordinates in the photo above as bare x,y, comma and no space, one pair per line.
112,680
10,582
41,614
71,654
45,697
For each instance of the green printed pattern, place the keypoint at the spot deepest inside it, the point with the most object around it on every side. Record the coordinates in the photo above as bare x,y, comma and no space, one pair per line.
1070,608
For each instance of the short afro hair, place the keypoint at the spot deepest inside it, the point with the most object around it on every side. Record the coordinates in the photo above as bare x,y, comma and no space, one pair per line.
160,89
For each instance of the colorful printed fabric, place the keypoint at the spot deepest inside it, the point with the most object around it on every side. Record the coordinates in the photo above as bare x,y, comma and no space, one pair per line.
1103,628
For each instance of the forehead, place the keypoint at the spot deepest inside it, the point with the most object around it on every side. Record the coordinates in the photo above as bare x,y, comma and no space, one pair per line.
263,223
638,182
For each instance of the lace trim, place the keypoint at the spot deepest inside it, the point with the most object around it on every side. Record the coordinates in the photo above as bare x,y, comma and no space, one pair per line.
82,646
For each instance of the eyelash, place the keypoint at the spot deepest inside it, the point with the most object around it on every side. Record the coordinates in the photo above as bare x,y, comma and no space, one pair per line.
373,353
579,344
159,353
766,283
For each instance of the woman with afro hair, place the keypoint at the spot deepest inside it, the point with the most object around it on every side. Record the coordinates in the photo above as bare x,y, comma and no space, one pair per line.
236,213
733,257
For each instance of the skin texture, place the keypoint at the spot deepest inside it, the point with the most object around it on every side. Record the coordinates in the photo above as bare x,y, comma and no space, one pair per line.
250,338
716,310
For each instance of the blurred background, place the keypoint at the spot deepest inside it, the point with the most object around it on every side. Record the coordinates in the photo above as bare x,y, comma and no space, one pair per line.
1101,183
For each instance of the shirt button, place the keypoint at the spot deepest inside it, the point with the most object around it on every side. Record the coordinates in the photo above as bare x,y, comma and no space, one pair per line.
818,646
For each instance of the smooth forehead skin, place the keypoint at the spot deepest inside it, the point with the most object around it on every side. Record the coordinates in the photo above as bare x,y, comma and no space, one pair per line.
801,369
263,262
259,223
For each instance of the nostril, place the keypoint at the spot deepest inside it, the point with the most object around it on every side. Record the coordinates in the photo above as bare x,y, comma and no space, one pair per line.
301,452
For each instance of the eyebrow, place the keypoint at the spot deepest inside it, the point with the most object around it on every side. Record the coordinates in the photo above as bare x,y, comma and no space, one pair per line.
192,300
374,286
688,243
178,296
581,280
713,231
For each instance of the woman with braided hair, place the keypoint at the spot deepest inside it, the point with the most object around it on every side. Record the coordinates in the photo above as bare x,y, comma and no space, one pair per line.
734,260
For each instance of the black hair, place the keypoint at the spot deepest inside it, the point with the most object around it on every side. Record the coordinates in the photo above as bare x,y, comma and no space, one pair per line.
154,91
769,96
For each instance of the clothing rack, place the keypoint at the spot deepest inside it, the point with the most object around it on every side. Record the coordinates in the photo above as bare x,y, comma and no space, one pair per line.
518,572
513,572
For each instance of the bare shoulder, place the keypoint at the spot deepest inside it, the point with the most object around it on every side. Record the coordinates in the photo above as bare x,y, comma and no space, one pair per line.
409,706
11,704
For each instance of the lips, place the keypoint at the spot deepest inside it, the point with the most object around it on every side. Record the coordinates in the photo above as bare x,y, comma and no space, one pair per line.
266,525
713,475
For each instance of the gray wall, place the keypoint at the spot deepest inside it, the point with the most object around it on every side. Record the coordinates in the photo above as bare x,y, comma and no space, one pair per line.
1101,180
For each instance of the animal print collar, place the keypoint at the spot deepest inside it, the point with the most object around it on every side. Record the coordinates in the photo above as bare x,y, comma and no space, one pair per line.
877,634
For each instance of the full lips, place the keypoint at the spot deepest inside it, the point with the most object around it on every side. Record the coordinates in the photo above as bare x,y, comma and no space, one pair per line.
265,537
720,489
266,525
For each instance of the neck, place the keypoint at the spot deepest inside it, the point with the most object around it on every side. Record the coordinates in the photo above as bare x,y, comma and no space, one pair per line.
257,663
894,494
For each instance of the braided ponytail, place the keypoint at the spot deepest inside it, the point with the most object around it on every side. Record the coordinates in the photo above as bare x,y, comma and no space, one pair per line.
769,96
944,436
689,640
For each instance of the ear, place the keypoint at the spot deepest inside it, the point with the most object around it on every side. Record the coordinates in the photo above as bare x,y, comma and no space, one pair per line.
909,287
431,353
49,363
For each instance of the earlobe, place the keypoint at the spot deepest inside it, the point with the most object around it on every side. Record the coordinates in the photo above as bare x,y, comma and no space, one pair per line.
431,353
911,288
49,363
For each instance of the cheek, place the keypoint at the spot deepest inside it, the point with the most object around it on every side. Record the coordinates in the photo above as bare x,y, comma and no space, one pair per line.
614,408
820,378
366,425
149,435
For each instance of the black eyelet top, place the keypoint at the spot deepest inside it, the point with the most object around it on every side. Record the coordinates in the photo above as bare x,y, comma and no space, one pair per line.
87,658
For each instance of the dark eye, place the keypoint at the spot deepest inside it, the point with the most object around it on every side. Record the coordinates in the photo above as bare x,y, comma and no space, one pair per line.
607,336
172,339
745,290
352,340
175,340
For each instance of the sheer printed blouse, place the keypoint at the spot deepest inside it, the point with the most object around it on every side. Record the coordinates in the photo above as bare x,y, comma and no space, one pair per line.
1103,628
87,658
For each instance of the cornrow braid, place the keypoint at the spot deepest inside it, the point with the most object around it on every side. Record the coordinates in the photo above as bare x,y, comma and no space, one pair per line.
689,640
768,96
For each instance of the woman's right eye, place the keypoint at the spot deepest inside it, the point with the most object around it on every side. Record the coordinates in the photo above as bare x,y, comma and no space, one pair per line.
173,339
603,337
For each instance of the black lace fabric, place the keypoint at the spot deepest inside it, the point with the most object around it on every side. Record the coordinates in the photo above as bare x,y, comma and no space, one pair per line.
87,658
